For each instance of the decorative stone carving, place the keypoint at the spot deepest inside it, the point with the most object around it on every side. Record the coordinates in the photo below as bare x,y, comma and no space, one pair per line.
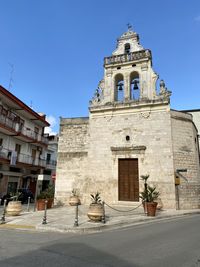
164,92
146,114
98,95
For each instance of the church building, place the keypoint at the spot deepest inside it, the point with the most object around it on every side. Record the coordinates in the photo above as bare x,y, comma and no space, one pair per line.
131,131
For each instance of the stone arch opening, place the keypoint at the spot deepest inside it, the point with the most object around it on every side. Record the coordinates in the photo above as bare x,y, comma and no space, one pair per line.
127,48
119,87
134,85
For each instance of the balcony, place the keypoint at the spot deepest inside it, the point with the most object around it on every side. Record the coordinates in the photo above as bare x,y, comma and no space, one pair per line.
142,54
20,158
7,122
27,159
12,127
4,153
51,164
43,139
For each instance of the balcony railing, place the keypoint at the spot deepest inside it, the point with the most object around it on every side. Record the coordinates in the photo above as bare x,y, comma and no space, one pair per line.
28,133
51,164
22,130
21,158
42,139
4,153
128,57
42,163
27,159
4,120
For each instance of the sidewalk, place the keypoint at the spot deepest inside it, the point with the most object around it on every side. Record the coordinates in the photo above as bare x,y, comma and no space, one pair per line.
61,219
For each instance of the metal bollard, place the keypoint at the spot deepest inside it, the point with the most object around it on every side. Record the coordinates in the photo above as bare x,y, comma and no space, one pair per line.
145,208
28,204
76,216
44,221
4,212
104,216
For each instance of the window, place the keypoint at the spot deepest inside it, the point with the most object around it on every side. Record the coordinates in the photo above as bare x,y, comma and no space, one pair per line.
4,112
18,148
36,130
127,48
21,124
48,158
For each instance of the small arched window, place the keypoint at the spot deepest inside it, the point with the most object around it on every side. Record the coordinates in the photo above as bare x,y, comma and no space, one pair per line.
127,48
135,86
119,87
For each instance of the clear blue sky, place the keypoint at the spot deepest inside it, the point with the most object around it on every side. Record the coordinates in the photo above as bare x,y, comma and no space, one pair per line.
57,48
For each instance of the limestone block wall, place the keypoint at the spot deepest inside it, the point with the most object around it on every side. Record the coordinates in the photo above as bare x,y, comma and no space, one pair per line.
196,119
185,149
72,156
161,140
148,127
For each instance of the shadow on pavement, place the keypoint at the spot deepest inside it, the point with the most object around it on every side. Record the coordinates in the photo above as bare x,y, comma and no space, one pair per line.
66,255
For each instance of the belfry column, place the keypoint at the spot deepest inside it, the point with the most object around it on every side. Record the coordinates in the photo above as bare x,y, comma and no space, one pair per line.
126,86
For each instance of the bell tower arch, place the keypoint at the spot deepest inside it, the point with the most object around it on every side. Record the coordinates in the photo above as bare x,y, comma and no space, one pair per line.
128,74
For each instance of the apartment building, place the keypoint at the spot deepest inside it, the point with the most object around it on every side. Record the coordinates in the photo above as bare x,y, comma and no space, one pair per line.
23,144
49,173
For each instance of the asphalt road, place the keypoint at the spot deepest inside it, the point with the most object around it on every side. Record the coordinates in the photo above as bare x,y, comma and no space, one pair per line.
171,243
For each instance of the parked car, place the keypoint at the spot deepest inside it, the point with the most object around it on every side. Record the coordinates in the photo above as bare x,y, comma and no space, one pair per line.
25,193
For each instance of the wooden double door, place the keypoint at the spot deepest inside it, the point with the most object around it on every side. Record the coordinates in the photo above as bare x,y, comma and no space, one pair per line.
128,181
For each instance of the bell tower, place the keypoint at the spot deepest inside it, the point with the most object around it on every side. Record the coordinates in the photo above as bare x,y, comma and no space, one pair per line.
128,75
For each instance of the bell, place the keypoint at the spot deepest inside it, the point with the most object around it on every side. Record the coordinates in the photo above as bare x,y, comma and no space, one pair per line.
135,83
120,86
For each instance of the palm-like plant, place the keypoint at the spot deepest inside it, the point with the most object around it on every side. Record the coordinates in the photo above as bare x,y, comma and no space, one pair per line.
152,194
75,192
95,198
149,194
144,194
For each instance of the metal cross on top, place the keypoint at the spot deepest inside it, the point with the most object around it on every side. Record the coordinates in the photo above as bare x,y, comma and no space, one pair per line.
129,26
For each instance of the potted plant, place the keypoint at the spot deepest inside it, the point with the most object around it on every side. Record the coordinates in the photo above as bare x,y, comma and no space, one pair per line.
144,193
74,198
149,196
95,212
14,206
151,203
47,194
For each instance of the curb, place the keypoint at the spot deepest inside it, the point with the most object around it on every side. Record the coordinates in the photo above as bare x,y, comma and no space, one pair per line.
96,229
114,226
17,226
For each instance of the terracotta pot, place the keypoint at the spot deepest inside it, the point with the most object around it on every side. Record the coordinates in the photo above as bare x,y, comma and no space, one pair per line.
41,203
160,204
151,208
50,203
74,200
95,212
14,208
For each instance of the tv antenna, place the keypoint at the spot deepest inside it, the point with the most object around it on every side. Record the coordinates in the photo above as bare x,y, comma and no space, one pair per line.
11,76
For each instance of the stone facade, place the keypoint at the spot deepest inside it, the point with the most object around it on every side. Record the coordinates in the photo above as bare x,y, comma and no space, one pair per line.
186,155
123,124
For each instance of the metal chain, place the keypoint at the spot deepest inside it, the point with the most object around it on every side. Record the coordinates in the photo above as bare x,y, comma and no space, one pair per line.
123,210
